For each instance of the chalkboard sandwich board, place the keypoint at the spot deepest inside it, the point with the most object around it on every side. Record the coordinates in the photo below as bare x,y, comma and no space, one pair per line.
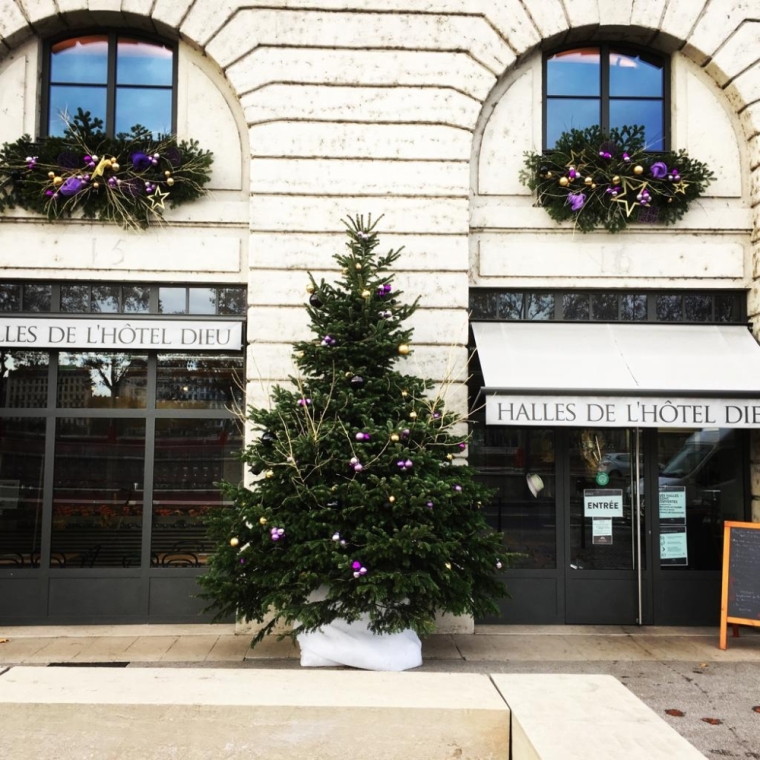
740,602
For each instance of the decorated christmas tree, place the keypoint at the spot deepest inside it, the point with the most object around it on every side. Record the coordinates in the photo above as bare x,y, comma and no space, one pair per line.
362,491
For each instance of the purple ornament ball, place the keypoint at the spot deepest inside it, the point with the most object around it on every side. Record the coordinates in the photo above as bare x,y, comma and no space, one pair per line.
356,565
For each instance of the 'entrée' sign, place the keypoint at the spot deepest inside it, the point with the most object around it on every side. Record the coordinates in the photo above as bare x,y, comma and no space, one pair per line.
120,334
622,411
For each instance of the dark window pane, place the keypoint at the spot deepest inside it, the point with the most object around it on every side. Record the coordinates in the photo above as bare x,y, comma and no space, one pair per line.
10,296
98,492
631,76
202,300
574,72
151,108
540,306
22,455
669,309
105,299
698,308
66,99
75,298
575,306
172,300
136,299
647,113
140,62
604,307
102,381
80,60
192,457
528,522
633,308
37,297
510,306
563,114
726,308
195,381
23,379
231,301
483,304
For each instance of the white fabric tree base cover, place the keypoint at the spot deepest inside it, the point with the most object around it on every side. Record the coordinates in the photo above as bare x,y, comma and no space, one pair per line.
354,645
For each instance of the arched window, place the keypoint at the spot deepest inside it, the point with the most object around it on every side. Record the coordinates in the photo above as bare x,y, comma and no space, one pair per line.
119,78
609,85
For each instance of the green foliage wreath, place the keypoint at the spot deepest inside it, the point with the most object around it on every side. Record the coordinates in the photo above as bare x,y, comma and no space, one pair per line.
127,179
608,179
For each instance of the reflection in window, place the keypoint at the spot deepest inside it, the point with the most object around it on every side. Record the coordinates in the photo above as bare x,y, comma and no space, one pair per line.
669,308
102,380
98,492
172,300
633,308
37,297
75,299
138,89
231,301
22,456
726,308
10,296
191,457
607,87
23,379
604,307
540,306
506,458
105,299
136,299
575,306
698,308
196,381
202,300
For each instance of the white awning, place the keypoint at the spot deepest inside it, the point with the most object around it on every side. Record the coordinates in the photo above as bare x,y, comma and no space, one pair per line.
619,375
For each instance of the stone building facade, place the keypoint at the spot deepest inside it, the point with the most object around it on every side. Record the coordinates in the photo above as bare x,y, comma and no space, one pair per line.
419,110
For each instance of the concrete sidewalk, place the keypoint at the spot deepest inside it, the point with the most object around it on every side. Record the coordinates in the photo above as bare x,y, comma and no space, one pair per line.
710,697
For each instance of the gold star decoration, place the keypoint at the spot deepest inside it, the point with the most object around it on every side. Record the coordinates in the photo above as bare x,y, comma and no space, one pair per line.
157,199
630,187
680,187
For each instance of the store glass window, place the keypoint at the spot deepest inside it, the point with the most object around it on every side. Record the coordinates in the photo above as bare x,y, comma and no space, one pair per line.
22,458
92,380
23,379
198,381
605,85
119,78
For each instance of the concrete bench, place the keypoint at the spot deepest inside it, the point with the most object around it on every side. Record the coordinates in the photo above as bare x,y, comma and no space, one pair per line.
585,717
69,713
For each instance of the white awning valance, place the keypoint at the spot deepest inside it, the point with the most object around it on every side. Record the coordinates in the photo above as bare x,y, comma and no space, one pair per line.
619,375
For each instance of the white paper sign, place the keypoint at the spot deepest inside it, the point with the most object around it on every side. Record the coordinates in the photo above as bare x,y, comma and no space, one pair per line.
673,546
673,503
602,502
601,531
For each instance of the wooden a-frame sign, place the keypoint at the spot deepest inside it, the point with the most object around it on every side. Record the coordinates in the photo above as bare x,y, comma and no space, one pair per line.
740,599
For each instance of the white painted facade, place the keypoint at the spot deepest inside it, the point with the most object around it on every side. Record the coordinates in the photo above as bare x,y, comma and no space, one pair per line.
416,109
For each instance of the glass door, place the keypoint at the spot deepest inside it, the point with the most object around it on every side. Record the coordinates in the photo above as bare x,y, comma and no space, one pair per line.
606,572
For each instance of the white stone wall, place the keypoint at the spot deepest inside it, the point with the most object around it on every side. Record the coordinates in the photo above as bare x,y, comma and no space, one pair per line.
395,107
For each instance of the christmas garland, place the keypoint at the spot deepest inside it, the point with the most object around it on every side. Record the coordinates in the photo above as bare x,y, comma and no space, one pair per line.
596,178
127,179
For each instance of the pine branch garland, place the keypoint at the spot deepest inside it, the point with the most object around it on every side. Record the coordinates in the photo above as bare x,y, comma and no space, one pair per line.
608,179
126,180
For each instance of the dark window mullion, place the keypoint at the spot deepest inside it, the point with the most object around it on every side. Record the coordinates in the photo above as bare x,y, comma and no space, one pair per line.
604,86
111,92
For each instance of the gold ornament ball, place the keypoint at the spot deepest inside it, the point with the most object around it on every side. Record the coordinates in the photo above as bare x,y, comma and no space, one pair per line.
404,393
57,181
170,181
448,565
404,349
51,175
269,474
670,200
638,169
262,520
115,166
593,185
234,542
549,175
450,457
299,354
344,270
366,294
309,288
358,267
391,499
395,437
589,180
413,415
564,181
615,180
167,173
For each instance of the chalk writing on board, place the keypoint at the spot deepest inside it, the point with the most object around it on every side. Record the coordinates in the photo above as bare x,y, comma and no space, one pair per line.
744,574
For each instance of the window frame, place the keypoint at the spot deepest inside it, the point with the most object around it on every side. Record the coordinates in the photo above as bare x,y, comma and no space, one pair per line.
113,35
604,85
